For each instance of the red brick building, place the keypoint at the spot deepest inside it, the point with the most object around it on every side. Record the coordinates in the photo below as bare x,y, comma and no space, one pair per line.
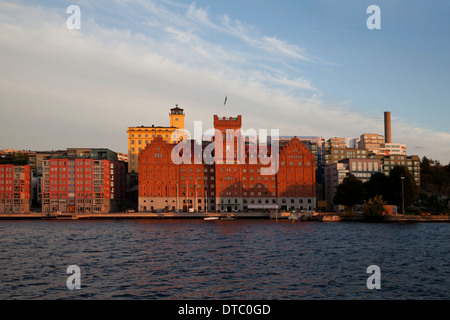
82,185
235,181
15,188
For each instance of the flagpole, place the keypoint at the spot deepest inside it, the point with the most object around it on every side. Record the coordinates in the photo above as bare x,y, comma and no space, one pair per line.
225,103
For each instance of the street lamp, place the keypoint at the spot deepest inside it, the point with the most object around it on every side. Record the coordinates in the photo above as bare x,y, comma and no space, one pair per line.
403,194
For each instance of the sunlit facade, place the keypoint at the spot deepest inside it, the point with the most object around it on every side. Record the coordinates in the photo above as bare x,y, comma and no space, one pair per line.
235,183
15,188
140,137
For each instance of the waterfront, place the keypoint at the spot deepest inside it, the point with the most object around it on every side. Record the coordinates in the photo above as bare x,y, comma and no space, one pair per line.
240,259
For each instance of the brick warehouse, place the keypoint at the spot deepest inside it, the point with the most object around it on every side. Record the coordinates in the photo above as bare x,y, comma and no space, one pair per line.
224,186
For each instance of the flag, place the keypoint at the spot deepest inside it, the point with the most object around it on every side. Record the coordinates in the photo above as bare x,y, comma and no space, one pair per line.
225,102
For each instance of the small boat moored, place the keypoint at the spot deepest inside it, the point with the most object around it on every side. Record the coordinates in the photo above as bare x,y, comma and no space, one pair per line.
210,218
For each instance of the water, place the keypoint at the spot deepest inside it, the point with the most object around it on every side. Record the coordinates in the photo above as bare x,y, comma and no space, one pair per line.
248,259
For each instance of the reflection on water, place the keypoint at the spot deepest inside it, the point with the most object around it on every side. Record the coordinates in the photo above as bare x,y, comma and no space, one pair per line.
249,259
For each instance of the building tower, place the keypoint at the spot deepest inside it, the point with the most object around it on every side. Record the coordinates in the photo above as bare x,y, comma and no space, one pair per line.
232,145
177,117
140,136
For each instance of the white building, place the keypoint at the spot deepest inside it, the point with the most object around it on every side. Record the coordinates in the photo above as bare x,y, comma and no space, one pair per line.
393,148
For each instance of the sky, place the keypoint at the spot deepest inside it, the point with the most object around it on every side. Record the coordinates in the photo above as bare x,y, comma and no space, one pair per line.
307,68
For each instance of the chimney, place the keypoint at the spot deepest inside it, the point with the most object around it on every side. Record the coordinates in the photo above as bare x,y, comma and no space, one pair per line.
387,127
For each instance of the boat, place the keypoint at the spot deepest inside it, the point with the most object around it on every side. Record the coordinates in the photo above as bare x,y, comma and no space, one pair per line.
60,216
282,215
210,218
228,217
294,216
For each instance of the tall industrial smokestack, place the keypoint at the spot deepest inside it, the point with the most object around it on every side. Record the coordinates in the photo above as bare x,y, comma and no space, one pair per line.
387,127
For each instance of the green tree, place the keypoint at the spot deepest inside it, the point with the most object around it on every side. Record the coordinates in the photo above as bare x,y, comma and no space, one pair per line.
373,209
411,190
350,192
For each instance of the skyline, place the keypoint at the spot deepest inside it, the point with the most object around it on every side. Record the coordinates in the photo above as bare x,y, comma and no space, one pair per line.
307,69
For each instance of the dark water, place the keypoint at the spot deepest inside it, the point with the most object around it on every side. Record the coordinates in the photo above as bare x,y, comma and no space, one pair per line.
251,259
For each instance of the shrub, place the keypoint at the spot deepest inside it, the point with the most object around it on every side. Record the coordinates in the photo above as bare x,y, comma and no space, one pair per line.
373,209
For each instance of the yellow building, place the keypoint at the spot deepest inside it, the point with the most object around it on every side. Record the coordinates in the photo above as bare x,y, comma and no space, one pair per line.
139,137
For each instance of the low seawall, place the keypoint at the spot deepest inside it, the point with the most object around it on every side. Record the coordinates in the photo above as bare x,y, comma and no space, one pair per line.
137,215
322,217
416,218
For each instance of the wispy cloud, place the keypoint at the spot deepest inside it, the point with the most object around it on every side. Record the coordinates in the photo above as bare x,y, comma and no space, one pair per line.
247,33
88,86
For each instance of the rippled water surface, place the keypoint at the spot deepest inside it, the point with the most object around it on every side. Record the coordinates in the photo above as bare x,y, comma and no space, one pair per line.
248,259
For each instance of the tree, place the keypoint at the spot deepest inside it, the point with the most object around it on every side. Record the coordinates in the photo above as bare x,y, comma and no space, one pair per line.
373,209
411,190
379,184
13,158
350,192
425,165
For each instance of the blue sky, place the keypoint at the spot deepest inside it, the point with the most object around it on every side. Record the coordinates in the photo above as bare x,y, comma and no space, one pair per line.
304,67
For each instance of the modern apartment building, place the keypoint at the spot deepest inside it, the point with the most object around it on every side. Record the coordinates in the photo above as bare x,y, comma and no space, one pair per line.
335,173
336,154
336,143
15,188
82,185
372,142
140,137
411,162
